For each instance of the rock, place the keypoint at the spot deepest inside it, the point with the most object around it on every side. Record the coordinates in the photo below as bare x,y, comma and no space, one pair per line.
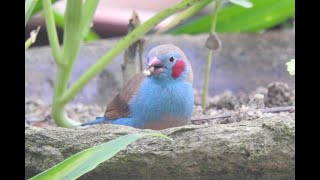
242,98
197,110
257,101
213,112
279,94
260,149
227,101
246,113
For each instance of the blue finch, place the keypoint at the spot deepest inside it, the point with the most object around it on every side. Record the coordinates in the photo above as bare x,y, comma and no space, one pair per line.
159,98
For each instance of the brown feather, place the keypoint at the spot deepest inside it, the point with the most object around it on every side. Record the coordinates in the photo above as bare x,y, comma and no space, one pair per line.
119,107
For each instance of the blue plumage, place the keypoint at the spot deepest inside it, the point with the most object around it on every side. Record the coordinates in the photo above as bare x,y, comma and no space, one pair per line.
98,120
161,100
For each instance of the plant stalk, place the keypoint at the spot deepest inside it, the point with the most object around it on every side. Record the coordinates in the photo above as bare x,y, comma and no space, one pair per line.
209,57
71,45
28,43
74,27
59,21
52,32
89,9
58,114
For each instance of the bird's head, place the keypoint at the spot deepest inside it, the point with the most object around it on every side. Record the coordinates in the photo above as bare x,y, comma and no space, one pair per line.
168,62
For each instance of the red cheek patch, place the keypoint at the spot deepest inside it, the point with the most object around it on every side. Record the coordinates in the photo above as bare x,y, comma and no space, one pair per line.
178,68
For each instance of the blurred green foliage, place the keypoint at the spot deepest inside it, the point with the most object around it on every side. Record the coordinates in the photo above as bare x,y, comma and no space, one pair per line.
38,7
264,14
59,20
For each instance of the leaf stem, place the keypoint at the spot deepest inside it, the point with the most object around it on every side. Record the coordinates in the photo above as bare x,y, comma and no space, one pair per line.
71,45
52,32
87,15
28,43
59,21
209,57
76,25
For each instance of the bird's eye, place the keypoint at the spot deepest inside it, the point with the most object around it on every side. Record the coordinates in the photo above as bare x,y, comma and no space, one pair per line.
171,59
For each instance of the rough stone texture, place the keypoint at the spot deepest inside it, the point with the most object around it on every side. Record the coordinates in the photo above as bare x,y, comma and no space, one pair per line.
226,100
245,62
259,149
279,94
256,101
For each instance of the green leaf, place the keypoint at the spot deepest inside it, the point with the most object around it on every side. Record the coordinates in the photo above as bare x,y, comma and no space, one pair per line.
91,36
243,3
291,67
263,15
59,20
28,8
38,7
86,160
89,9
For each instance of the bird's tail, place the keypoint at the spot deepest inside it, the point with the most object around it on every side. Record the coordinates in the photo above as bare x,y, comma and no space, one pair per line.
98,120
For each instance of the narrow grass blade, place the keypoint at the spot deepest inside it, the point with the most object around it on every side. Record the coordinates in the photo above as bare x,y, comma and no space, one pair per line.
86,160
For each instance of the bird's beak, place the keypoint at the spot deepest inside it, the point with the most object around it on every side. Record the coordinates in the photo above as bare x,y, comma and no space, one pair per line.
154,62
154,66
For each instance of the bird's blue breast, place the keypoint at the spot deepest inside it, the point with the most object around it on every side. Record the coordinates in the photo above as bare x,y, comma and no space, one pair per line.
162,104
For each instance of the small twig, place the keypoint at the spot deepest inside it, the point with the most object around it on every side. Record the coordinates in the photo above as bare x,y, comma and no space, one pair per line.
277,109
141,49
204,118
33,37
226,115
130,67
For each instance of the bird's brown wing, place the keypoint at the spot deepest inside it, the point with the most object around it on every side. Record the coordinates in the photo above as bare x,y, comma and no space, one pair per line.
119,107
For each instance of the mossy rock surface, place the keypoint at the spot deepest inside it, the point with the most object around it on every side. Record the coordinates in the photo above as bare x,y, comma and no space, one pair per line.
258,149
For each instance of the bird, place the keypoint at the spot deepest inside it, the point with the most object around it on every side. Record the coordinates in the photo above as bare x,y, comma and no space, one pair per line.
160,97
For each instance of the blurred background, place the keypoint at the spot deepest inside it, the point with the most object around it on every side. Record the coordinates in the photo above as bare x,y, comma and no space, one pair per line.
112,17
257,43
